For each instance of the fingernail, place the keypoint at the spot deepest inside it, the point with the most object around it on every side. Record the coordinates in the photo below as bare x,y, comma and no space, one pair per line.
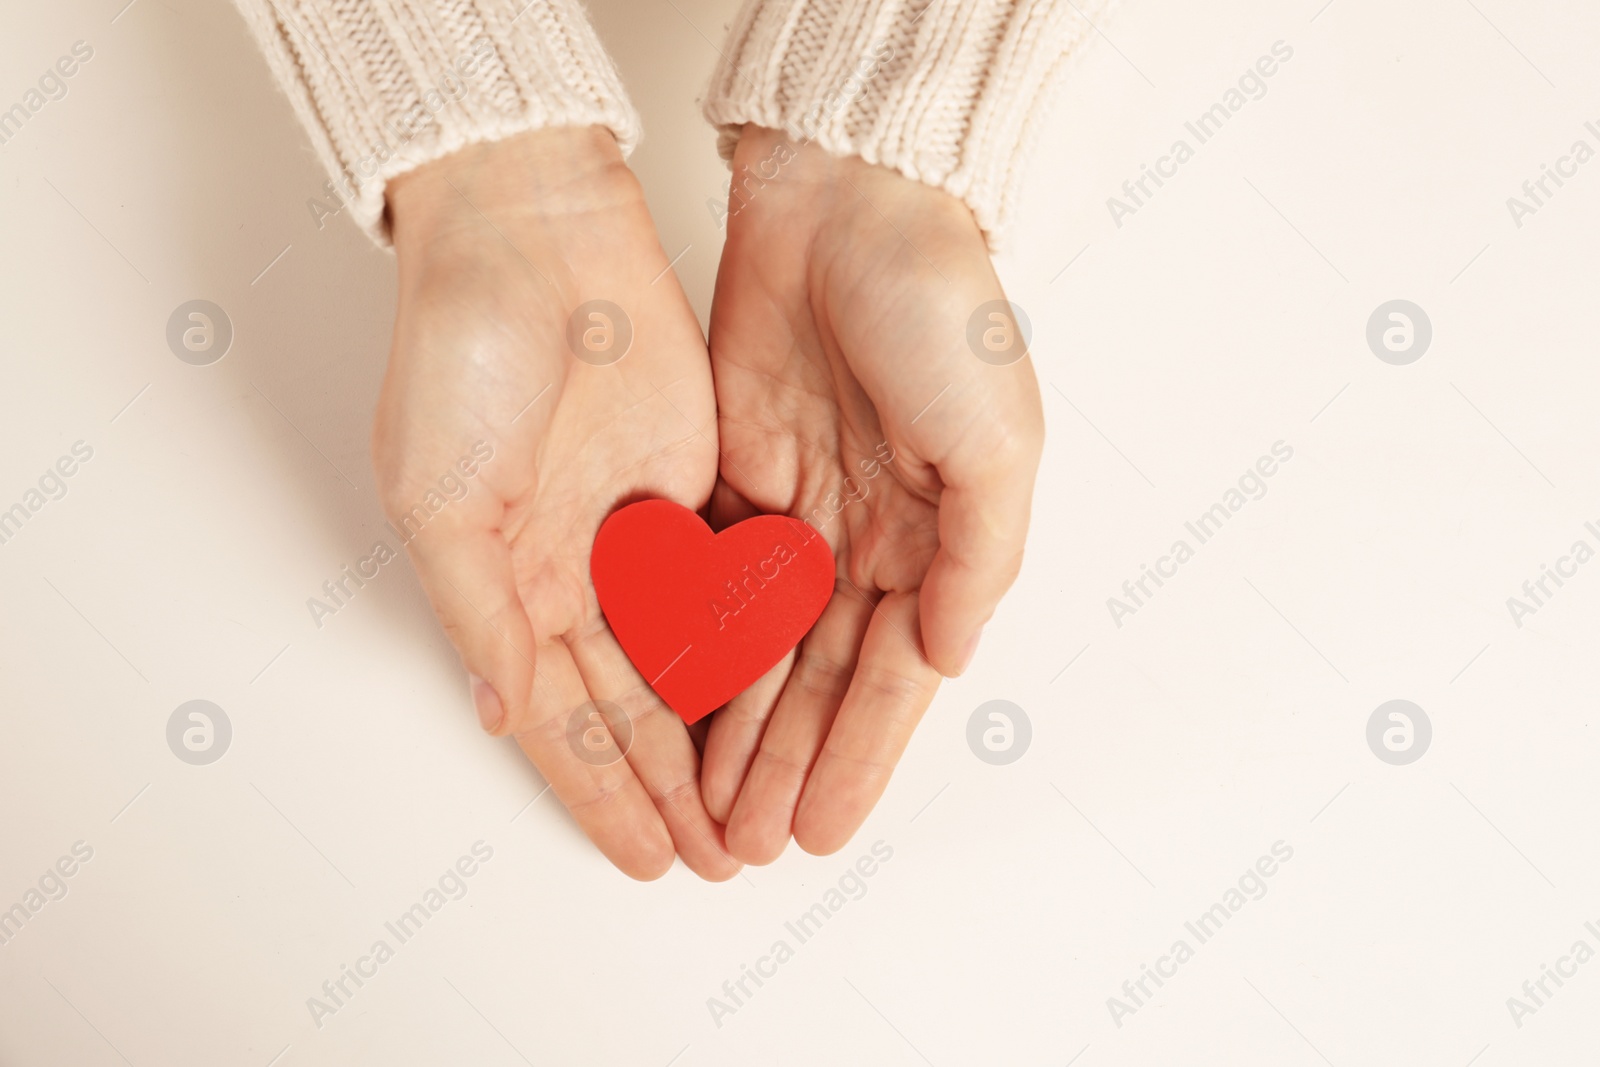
969,651
487,701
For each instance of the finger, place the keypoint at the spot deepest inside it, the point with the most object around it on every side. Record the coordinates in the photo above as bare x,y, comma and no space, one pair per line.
734,732
469,579
763,815
728,507
735,736
983,524
891,688
661,754
697,733
608,800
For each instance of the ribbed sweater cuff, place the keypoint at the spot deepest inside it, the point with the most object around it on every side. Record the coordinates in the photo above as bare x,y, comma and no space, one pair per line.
947,92
384,86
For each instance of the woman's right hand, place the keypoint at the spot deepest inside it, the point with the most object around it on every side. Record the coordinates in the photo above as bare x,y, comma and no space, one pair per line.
499,245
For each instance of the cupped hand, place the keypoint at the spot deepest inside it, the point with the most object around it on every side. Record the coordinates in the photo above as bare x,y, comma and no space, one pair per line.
849,394
502,248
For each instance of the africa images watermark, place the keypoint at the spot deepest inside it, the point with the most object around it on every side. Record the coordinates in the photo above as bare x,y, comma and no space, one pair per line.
51,86
854,491
1252,885
744,185
1537,192
1536,992
337,992
1252,85
1537,591
52,886
452,487
51,486
1136,592
850,886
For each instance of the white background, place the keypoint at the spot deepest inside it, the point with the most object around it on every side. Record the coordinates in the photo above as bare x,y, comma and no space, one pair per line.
1228,714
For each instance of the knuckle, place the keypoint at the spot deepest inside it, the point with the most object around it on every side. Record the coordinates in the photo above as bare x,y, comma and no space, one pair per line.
606,792
546,734
817,675
899,697
782,764
674,794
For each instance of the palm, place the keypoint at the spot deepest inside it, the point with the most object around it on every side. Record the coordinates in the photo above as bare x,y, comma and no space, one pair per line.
847,396
641,428
481,354
796,426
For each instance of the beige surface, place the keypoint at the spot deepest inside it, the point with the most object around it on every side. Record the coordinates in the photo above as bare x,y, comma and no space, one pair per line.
1228,713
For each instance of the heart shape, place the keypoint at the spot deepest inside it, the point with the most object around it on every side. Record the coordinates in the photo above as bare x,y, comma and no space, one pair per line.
702,614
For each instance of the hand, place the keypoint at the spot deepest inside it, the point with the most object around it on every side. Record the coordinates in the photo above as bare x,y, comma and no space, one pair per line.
838,341
498,244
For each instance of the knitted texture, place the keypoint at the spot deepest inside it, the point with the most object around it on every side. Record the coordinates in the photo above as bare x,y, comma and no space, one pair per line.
947,92
384,86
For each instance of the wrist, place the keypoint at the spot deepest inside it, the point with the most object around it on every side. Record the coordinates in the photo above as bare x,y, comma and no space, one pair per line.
529,178
841,204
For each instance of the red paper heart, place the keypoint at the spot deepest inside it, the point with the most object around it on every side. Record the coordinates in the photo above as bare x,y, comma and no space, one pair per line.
704,615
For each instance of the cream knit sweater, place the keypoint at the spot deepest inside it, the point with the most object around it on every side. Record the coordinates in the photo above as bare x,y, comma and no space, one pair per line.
947,92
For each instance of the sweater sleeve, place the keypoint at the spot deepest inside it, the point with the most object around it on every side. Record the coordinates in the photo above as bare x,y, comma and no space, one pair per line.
947,92
383,86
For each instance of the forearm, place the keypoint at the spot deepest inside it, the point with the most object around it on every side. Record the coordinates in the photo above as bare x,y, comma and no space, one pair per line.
383,88
947,92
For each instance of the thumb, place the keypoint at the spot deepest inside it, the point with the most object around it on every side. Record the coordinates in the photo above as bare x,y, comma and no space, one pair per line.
983,524
471,583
